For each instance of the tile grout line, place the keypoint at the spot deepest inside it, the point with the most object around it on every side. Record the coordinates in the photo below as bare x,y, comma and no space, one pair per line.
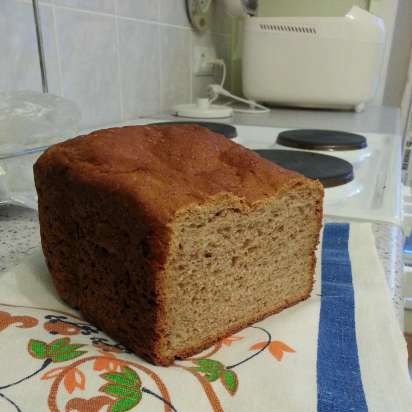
56,40
159,55
147,21
119,75
160,73
159,14
103,14
192,98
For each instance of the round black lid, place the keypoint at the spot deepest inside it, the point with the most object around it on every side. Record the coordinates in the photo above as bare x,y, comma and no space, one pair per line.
225,129
313,139
330,170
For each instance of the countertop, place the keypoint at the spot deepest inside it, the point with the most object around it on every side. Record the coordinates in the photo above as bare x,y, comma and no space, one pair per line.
19,232
374,119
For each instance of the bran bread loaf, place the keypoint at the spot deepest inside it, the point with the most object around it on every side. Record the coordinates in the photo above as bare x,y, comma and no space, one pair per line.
170,238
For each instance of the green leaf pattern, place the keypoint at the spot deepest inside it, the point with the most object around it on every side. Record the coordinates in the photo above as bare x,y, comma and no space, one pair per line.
58,344
37,349
125,386
213,370
117,391
230,382
59,350
132,376
118,378
125,404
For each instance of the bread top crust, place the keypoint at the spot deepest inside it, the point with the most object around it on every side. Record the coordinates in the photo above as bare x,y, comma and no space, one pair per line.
165,169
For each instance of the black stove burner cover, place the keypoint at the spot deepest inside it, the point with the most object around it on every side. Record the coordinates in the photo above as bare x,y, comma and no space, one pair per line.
225,129
330,170
312,139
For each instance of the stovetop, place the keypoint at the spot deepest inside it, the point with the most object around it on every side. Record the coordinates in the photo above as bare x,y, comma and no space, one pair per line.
373,194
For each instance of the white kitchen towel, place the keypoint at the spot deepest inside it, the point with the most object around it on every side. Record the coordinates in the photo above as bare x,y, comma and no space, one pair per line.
341,350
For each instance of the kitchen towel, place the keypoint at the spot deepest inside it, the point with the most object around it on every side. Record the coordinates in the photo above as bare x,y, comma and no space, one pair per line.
341,350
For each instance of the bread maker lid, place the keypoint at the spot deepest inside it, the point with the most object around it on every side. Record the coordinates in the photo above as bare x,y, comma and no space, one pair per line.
358,25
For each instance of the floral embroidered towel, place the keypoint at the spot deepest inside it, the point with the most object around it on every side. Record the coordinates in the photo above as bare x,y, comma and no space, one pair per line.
339,351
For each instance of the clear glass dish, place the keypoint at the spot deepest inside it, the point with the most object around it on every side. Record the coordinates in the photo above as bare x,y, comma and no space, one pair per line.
29,123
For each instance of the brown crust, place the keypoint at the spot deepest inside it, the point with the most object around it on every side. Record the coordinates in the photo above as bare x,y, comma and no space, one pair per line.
167,168
105,204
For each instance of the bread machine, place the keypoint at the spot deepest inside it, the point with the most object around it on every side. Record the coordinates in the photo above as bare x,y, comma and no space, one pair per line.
320,62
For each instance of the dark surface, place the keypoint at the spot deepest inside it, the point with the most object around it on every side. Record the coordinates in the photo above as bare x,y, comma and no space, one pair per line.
314,139
226,130
330,170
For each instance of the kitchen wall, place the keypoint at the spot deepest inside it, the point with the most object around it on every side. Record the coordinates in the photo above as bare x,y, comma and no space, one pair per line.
308,7
117,59
400,54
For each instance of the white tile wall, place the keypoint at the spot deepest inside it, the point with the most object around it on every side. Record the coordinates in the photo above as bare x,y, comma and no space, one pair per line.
18,64
117,59
173,12
139,54
103,6
88,59
141,9
175,66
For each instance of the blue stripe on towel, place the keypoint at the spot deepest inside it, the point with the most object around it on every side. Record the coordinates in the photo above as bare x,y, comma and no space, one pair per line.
339,379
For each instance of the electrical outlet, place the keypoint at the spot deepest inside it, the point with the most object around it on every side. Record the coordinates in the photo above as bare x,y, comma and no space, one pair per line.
201,56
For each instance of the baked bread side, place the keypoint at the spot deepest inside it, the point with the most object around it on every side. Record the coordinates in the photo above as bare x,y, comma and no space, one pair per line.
103,255
169,238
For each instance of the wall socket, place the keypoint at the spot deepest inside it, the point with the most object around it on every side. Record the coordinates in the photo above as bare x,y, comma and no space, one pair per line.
201,55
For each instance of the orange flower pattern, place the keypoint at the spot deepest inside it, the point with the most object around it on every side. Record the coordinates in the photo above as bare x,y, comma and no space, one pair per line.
88,405
107,363
61,328
276,348
231,339
20,321
74,379
53,373
107,348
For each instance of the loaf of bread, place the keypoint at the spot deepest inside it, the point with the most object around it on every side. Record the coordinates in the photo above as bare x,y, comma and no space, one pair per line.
170,238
